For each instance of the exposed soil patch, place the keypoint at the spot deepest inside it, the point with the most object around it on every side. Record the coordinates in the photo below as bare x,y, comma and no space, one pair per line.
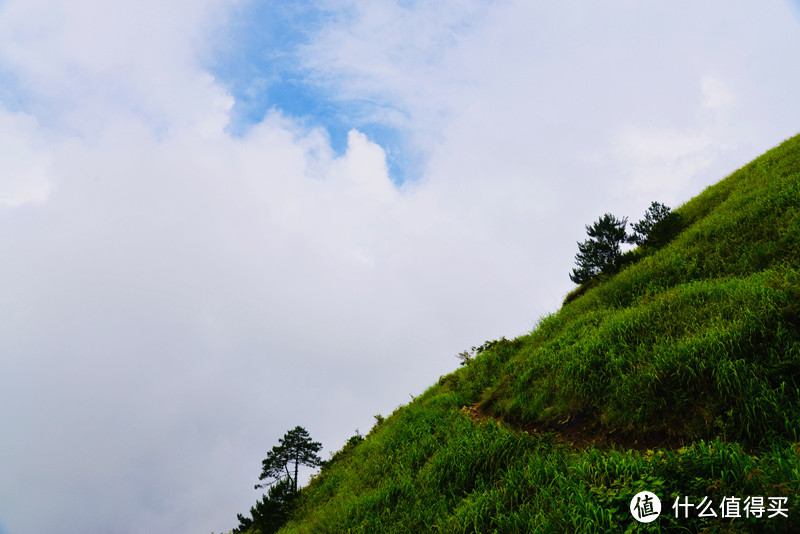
580,431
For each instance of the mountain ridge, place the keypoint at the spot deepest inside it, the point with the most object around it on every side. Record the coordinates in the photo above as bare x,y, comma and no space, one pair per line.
679,375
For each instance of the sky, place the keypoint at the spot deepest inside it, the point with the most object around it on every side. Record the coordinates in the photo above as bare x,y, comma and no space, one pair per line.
220,219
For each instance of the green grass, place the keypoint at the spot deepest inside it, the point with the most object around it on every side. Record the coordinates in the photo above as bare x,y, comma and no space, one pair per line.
698,342
431,469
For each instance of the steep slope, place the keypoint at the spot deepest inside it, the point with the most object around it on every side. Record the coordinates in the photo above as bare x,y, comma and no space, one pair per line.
679,374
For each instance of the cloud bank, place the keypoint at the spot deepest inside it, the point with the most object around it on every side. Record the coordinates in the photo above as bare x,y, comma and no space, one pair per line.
177,292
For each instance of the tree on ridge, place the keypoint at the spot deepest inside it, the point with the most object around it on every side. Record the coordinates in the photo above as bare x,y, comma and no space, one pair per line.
295,449
602,250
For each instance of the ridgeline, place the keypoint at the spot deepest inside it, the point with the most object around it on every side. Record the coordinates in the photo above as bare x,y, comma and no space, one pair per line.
679,374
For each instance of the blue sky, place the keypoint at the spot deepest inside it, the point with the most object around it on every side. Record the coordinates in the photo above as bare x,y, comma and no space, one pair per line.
258,63
261,64
208,207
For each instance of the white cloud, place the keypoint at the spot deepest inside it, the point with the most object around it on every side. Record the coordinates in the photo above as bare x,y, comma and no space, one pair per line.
661,164
25,160
716,93
175,298
85,62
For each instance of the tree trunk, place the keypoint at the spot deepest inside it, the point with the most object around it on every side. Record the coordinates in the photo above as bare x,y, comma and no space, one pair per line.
296,464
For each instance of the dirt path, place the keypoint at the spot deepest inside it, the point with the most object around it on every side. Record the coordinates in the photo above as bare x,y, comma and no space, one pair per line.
579,431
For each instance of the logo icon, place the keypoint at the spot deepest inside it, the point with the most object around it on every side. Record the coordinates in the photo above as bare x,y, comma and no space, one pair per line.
645,507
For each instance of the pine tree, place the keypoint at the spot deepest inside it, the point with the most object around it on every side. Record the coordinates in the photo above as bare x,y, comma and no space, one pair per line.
270,513
295,449
659,225
602,250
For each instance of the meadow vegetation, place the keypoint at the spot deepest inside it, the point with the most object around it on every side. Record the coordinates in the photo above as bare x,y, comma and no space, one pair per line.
678,374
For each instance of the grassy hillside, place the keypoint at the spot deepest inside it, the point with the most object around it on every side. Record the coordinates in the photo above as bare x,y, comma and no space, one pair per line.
679,374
